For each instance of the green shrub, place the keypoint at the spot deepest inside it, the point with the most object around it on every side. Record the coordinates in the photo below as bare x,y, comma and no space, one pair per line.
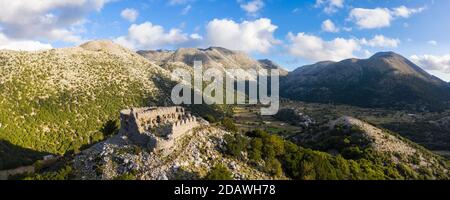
228,123
64,173
210,119
126,176
273,167
352,153
236,144
255,152
219,172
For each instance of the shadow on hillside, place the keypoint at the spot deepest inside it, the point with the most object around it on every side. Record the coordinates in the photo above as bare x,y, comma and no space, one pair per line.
111,127
12,156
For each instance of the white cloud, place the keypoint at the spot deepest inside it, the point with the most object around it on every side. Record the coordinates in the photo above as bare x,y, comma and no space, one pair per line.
329,26
405,12
196,36
380,17
432,62
367,53
433,42
186,10
371,18
248,36
381,41
348,29
330,6
179,2
314,48
150,36
22,45
48,19
252,7
129,14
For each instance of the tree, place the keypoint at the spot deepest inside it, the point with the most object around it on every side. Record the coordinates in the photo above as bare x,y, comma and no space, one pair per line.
229,124
273,166
236,144
277,143
255,153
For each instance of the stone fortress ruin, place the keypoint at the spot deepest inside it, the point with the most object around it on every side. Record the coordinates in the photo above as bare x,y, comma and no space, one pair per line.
156,127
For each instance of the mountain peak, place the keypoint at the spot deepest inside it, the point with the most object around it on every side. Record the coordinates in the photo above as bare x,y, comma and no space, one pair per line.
386,80
269,64
387,54
104,45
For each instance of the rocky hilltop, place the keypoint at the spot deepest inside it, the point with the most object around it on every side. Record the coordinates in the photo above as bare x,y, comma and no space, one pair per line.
192,158
360,141
384,80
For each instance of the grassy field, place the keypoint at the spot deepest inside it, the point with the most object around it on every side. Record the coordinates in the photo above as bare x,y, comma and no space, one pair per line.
247,119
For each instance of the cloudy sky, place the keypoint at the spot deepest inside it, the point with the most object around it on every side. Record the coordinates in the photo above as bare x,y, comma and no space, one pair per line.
292,33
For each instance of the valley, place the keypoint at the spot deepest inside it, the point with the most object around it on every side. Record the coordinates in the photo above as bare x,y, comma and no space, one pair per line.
74,103
420,127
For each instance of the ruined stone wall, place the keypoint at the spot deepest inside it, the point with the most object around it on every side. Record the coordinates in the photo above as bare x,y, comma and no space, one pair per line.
151,117
163,130
130,127
181,127
156,127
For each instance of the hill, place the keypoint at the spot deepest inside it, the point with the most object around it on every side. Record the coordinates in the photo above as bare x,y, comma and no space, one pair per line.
384,80
60,100
362,142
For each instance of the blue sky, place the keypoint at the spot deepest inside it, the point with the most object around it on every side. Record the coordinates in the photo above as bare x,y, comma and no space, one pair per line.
292,33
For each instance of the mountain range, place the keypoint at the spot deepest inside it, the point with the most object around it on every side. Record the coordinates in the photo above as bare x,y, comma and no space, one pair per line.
216,57
66,102
385,80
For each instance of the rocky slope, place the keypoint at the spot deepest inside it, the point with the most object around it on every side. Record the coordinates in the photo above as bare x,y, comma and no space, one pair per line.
216,57
191,158
384,80
356,139
59,100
